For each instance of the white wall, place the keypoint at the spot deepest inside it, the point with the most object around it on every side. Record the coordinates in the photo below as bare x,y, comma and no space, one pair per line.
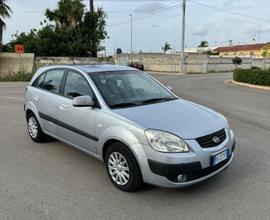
195,63
13,63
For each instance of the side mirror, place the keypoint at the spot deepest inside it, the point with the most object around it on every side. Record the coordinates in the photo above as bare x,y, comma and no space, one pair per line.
169,88
83,101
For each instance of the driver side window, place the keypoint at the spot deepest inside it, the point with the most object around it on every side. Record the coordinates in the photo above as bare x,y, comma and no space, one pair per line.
76,85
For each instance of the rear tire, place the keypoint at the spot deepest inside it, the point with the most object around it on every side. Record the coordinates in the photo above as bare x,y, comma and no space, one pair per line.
34,130
122,168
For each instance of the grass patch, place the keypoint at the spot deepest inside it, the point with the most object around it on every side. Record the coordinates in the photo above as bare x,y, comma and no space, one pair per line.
254,75
16,77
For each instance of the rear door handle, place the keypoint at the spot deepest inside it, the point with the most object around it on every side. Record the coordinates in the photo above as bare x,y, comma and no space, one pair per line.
36,97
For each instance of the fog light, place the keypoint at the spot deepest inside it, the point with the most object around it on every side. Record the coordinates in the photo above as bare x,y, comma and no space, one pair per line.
182,178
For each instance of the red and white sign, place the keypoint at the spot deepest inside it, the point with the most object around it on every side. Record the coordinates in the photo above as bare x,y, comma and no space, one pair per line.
19,48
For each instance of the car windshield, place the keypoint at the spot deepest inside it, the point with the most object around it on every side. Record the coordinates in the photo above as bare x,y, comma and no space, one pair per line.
122,89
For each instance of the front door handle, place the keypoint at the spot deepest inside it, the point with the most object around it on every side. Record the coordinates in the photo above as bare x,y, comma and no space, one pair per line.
63,107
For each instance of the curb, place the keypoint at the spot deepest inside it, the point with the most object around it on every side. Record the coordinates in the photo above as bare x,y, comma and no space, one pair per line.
165,73
250,85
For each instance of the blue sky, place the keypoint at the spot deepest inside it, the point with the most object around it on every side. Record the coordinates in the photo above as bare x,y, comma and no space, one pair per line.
206,20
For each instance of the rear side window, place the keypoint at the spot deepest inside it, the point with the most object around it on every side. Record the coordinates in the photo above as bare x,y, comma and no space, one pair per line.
39,81
76,85
52,80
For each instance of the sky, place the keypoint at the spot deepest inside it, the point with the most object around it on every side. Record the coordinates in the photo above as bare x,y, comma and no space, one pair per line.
159,21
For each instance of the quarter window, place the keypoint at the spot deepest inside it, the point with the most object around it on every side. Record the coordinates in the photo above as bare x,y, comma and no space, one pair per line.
39,81
52,80
76,85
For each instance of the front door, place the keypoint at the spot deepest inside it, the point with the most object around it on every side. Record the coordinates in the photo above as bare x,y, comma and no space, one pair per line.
77,124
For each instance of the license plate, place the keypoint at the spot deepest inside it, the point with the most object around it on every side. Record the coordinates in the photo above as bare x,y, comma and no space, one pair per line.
216,159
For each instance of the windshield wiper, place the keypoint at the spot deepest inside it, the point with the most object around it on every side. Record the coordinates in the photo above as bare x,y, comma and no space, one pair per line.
153,100
130,104
125,104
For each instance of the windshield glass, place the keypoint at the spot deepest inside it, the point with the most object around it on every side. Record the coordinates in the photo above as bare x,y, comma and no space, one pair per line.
129,88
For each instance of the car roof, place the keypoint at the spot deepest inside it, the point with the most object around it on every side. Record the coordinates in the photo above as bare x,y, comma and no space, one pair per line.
91,68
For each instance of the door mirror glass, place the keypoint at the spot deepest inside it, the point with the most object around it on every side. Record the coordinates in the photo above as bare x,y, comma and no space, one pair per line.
83,101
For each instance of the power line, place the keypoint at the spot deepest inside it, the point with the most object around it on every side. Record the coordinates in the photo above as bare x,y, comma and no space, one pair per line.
230,12
149,13
162,10
133,0
28,12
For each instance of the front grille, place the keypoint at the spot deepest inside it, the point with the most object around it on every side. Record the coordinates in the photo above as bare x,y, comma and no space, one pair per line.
204,172
207,141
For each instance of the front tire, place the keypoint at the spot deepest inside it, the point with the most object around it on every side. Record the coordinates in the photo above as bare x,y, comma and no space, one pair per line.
34,129
122,168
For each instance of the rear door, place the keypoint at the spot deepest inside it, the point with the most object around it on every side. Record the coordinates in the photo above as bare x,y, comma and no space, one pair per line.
77,124
46,97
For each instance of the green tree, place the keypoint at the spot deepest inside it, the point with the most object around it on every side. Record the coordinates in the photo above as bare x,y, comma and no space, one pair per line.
204,44
166,47
29,40
5,11
73,32
93,30
68,14
237,61
266,51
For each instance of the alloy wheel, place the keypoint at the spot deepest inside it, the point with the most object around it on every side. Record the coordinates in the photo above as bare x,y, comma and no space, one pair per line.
32,127
118,168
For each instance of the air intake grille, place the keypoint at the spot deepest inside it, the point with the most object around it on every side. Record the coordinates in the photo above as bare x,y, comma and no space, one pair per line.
212,140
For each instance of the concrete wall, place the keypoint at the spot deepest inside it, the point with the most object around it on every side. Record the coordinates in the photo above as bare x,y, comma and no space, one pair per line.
45,61
195,63
13,63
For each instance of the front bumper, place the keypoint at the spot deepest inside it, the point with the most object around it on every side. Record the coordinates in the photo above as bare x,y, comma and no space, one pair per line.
172,184
164,174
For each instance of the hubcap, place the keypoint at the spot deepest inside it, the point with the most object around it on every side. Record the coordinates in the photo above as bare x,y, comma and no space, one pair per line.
32,127
118,168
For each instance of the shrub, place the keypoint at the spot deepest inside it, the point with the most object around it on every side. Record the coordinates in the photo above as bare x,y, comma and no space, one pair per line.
253,75
14,77
237,61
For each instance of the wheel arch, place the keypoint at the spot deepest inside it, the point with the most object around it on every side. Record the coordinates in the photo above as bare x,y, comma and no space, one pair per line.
30,108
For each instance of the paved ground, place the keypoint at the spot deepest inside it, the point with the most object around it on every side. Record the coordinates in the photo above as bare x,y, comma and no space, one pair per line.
55,181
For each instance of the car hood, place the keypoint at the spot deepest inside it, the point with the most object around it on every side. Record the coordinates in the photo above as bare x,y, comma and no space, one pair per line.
181,117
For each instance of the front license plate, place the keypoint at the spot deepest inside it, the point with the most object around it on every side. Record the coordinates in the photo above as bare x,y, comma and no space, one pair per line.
220,157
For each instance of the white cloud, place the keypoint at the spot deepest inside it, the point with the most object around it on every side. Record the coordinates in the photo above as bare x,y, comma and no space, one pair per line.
144,8
265,29
154,26
199,30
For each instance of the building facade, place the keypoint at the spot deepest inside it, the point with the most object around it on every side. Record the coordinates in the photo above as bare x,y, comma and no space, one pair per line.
248,50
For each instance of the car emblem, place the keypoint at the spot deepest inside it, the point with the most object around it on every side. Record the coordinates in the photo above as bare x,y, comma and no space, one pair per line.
216,139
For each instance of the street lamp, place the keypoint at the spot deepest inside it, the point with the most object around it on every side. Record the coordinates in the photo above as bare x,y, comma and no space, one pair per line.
131,34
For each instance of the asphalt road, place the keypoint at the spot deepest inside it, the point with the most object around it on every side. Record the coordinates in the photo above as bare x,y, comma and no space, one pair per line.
55,181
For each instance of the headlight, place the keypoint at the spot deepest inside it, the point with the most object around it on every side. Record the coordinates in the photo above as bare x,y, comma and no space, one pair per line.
165,142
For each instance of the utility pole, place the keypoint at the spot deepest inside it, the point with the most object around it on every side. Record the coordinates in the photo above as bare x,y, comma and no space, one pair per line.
131,36
183,37
91,5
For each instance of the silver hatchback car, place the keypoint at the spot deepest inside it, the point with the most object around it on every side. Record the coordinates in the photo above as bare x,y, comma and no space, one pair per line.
124,117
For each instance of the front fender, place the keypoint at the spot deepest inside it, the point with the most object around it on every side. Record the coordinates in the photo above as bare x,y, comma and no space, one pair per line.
122,135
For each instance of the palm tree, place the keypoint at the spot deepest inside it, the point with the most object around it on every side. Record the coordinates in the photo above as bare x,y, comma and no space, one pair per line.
166,47
5,11
68,14
91,4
